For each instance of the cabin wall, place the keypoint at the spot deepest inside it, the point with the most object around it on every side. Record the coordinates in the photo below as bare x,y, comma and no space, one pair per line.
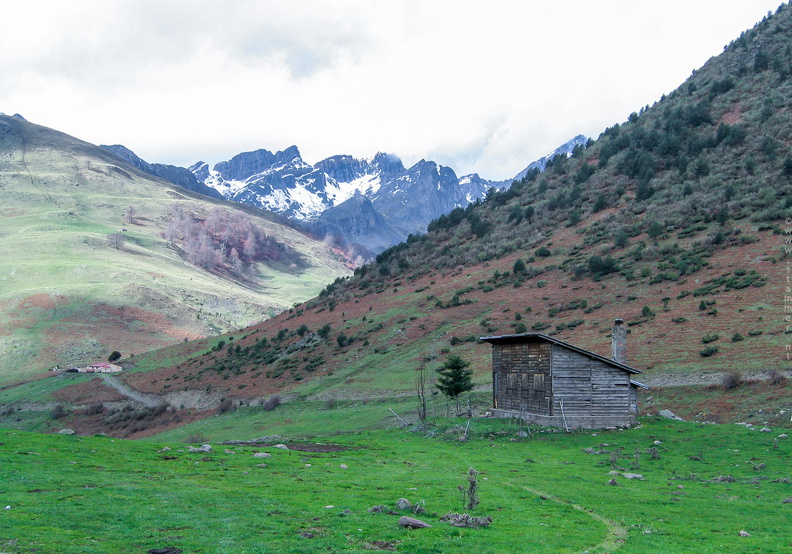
589,387
522,377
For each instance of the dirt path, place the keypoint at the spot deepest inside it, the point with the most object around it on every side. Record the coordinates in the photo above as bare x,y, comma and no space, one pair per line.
616,534
149,400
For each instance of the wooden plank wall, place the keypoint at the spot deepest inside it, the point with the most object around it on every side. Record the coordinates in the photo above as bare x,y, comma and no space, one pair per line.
572,381
522,376
588,386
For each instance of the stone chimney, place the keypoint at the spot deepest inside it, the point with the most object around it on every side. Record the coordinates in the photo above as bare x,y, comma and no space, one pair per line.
619,342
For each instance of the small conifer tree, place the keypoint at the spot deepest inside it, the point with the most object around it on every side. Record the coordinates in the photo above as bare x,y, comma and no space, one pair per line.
455,378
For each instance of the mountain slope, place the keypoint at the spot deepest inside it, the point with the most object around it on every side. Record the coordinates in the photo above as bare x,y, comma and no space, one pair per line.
171,173
86,267
354,223
673,221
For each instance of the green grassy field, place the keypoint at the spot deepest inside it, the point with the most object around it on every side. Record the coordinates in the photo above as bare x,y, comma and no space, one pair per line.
701,486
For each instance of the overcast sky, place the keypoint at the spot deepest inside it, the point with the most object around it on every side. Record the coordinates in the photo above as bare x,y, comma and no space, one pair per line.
481,86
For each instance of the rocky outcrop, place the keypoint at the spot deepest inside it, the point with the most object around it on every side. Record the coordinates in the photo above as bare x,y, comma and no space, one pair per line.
356,225
179,176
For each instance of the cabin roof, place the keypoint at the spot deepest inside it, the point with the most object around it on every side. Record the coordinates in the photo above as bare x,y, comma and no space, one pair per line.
533,337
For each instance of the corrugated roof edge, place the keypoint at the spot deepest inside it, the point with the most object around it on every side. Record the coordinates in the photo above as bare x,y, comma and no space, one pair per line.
589,353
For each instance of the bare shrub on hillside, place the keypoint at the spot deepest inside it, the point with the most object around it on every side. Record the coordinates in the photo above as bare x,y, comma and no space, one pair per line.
226,405
470,497
94,409
731,380
195,438
776,378
115,240
271,403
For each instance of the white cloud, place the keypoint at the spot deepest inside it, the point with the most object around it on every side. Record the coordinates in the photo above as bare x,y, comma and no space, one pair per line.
485,87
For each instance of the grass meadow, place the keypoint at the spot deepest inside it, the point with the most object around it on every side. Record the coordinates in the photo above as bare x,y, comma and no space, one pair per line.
700,487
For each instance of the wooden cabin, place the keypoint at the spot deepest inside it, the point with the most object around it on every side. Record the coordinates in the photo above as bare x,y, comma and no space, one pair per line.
543,380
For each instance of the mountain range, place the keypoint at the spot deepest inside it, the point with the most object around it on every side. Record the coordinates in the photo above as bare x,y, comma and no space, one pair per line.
363,205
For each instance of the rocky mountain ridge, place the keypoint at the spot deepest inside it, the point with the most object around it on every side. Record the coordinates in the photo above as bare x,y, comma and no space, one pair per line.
401,201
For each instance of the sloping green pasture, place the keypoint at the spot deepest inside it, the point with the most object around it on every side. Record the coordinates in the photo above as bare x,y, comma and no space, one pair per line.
548,492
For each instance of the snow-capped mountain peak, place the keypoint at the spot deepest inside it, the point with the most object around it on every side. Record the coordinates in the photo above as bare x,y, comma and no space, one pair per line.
404,200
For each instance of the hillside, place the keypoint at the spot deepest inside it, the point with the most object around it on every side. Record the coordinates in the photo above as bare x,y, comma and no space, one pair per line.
673,221
94,258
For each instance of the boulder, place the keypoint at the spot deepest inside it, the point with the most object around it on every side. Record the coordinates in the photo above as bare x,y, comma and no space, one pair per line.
66,432
668,414
412,523
262,455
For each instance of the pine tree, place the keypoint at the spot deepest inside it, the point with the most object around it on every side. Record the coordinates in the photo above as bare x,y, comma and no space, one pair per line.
455,378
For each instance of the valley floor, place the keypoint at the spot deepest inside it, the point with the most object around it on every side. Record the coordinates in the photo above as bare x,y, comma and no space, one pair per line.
664,486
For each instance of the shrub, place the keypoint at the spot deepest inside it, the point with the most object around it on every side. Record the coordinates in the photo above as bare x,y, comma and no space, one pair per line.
114,355
226,405
731,380
195,438
737,337
94,409
271,403
710,337
602,266
655,230
776,377
709,351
